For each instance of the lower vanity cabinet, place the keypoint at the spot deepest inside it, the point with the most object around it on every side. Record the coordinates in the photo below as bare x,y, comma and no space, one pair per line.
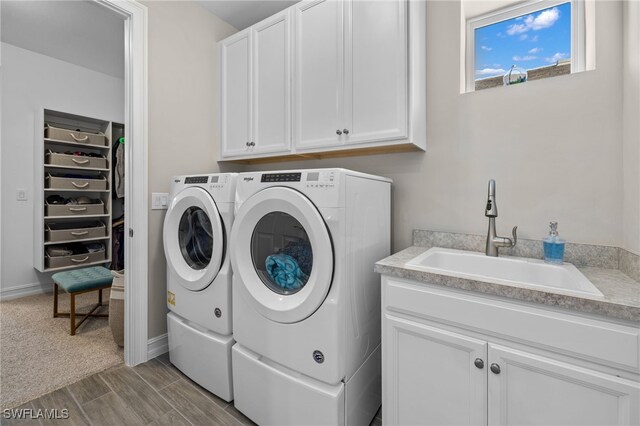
456,373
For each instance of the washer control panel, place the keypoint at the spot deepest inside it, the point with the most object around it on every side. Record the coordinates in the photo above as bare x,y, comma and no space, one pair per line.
320,179
281,177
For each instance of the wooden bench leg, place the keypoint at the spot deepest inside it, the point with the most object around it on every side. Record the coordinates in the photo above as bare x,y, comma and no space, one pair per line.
55,300
72,313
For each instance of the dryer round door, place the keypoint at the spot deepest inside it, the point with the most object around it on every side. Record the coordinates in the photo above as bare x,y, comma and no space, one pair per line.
193,238
282,254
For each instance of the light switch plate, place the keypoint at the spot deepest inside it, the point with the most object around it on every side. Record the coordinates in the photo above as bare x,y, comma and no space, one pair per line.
21,195
159,201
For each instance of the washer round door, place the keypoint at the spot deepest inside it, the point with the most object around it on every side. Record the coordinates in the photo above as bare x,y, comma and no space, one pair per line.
193,238
282,253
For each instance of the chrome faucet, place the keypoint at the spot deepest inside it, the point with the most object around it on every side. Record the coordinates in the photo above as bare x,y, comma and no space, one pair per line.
491,211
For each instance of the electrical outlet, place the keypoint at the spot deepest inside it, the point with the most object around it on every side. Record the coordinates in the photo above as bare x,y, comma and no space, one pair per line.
159,201
21,194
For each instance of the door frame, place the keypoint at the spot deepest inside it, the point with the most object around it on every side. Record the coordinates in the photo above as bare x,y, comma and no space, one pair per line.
136,170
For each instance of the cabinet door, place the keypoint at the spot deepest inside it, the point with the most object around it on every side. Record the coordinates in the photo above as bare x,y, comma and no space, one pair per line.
533,390
376,71
235,94
429,376
272,83
318,73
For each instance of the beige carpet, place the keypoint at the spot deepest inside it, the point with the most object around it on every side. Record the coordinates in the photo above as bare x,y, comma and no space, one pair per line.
37,354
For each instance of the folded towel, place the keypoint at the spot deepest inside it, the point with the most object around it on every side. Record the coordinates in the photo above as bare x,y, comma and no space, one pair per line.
285,272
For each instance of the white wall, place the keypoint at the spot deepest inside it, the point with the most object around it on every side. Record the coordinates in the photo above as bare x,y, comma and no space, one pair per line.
183,92
554,146
31,81
631,126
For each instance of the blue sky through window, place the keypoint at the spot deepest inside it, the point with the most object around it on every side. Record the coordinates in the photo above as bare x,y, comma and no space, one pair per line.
529,41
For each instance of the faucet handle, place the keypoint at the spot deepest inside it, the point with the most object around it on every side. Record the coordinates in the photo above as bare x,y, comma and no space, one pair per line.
514,232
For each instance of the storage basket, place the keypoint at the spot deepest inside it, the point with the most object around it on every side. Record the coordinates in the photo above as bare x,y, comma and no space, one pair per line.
74,231
67,135
59,159
116,307
73,209
99,183
74,259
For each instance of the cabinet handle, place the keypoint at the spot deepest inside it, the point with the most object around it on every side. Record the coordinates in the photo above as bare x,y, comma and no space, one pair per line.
79,234
248,144
79,161
345,131
84,259
495,368
80,185
479,363
252,143
338,132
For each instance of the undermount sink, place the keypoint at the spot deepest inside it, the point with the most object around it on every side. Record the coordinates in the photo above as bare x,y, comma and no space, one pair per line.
533,273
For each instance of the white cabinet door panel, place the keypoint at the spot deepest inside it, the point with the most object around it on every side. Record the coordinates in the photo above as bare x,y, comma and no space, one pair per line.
318,73
429,376
533,390
235,87
376,71
271,89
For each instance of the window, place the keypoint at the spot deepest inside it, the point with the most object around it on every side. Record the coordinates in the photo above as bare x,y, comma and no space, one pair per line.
527,41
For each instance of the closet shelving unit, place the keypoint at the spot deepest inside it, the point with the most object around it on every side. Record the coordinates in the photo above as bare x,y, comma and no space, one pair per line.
70,219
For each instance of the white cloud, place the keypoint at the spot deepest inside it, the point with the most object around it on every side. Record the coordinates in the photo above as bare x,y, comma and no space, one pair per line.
497,65
536,50
490,72
517,29
523,37
544,19
557,57
535,39
488,49
524,58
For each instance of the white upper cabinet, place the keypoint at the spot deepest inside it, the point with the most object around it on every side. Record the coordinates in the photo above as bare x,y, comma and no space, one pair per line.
376,71
255,80
327,76
235,94
271,46
318,73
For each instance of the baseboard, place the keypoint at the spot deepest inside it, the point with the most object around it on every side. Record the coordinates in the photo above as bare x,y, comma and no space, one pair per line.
158,345
23,290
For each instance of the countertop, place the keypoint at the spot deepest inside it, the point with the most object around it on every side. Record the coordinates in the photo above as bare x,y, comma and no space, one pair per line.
621,293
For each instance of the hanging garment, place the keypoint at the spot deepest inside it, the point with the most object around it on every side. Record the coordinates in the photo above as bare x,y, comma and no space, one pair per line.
119,169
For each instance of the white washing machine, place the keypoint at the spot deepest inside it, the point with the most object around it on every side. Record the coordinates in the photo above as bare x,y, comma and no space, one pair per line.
306,302
196,234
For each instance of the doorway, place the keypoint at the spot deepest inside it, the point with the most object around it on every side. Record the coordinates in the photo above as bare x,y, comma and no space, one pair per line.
133,16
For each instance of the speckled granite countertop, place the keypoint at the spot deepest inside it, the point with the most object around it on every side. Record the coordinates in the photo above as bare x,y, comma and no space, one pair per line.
621,293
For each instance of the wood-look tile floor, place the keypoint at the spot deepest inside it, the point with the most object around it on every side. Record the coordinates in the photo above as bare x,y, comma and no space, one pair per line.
153,393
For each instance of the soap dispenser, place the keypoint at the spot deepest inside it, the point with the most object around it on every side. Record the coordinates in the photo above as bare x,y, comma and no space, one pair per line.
553,245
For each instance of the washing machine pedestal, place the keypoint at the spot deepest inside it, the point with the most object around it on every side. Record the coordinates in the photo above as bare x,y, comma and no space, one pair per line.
203,356
269,393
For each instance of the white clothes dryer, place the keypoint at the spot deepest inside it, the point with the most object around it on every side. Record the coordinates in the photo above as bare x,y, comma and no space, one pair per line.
306,300
196,229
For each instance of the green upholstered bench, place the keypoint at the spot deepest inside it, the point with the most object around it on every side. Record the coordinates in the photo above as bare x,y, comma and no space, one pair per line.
76,282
